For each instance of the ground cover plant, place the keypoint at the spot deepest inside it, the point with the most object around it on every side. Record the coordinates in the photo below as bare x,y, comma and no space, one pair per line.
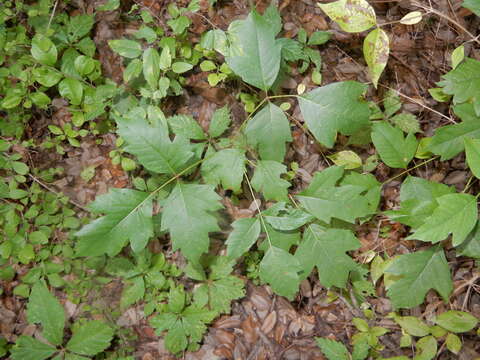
207,180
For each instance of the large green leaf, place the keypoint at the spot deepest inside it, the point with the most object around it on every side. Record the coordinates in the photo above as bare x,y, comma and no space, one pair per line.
90,338
448,141
186,126
472,5
326,250
188,215
126,48
128,217
456,321
456,214
44,50
280,269
269,130
337,107
151,144
151,67
352,15
267,180
254,54
72,89
376,48
472,151
463,83
245,233
395,150
332,349
225,167
419,272
45,309
28,348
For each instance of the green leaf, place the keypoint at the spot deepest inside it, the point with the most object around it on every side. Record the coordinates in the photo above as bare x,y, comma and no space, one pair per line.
179,25
254,54
394,150
186,126
456,321
472,151
426,348
90,338
176,339
448,140
215,40
44,50
280,270
472,5
187,214
471,246
133,292
165,59
456,214
72,89
347,158
458,55
332,349
46,77
319,38
391,103
176,299
45,309
419,272
269,130
151,144
454,343
463,83
151,67
226,167
352,15
84,65
133,70
412,325
126,48
292,220
333,108
220,122
128,219
11,101
376,49
79,26
146,33
40,99
326,249
245,233
181,67
406,122
360,350
28,348
267,180
110,5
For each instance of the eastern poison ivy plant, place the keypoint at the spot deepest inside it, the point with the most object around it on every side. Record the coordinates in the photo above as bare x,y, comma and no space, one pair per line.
88,338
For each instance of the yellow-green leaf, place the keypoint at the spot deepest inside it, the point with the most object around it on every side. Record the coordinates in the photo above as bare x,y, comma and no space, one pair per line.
351,15
376,48
457,56
411,18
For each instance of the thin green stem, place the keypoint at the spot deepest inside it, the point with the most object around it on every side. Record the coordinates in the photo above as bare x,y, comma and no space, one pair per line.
409,169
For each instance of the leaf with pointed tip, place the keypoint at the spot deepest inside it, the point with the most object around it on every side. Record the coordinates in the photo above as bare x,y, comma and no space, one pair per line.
267,180
220,122
269,130
472,151
152,146
188,216
334,108
352,15
332,349
225,167
28,348
326,249
280,270
376,48
471,246
245,233
90,338
151,67
44,308
456,214
186,126
419,272
472,5
128,219
254,54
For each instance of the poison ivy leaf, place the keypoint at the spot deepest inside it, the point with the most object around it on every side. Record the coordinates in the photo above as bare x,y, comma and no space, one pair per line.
394,150
472,5
326,249
419,272
126,48
267,180
245,233
44,50
269,130
456,214
45,309
471,246
376,48
280,239
71,89
369,183
128,219
151,144
332,349
333,108
254,54
293,219
151,67
426,348
352,15
226,167
28,348
463,83
220,121
186,126
448,141
456,321
472,151
187,214
90,338
280,270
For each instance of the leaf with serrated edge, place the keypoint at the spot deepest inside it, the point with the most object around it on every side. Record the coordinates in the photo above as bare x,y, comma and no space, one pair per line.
376,48
245,233
28,348
186,126
419,272
352,15
90,338
267,180
269,130
332,349
220,122
225,167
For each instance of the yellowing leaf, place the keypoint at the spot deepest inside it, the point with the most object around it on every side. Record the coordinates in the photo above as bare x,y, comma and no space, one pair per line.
411,18
349,159
376,48
352,15
457,56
